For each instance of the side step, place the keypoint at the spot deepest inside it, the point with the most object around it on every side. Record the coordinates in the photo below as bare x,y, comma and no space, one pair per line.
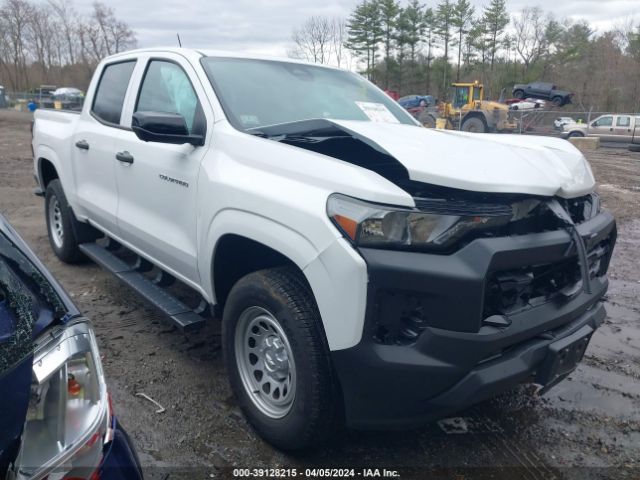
184,317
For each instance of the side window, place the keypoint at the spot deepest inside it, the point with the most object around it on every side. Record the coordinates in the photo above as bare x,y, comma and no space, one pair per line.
603,122
112,88
623,122
166,88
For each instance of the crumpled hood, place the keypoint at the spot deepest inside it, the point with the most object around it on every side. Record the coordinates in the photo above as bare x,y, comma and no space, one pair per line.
499,163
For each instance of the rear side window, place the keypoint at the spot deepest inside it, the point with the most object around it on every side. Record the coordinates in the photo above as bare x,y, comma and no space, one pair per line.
623,122
112,88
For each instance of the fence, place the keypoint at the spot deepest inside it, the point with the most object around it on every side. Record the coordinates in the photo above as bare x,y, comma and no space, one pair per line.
44,99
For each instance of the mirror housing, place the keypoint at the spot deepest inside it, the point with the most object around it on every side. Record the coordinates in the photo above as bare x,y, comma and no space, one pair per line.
164,127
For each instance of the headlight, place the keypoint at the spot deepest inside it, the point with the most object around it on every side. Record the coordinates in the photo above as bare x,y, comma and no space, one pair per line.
68,417
378,226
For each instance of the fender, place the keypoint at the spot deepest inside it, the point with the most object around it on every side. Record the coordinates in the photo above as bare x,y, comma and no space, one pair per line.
327,272
255,227
44,152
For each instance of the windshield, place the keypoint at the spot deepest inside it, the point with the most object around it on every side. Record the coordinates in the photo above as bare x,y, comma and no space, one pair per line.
258,93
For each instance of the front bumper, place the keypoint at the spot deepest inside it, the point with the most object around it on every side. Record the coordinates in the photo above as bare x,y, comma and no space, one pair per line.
460,355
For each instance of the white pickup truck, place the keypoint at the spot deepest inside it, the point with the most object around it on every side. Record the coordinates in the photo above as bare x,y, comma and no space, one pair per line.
367,270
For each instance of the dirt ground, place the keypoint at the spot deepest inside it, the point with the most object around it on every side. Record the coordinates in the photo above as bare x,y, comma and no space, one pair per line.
586,427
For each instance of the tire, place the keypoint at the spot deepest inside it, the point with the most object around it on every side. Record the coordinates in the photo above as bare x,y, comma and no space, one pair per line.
474,125
576,134
519,94
557,101
271,325
634,147
427,120
60,224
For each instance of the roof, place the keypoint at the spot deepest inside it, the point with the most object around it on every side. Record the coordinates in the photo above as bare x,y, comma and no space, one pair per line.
195,54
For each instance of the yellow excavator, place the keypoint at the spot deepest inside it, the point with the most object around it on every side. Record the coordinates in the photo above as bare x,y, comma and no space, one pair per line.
469,112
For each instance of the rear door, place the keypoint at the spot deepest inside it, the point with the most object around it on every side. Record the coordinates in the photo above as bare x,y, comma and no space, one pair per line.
623,129
93,146
157,210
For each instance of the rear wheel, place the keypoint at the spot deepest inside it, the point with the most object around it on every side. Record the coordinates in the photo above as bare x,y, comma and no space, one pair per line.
519,94
474,125
62,235
278,360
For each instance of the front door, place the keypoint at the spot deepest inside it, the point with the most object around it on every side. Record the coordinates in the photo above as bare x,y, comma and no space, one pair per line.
93,146
157,211
602,127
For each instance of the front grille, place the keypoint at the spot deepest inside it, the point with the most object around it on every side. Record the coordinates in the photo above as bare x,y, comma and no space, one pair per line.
515,290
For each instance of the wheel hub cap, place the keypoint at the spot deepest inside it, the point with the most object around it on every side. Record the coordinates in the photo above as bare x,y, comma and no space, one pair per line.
265,362
55,222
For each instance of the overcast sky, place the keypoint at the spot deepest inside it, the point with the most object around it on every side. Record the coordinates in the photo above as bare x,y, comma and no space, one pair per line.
264,26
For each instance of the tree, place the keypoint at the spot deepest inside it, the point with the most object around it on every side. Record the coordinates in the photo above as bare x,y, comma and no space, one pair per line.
338,39
313,40
529,29
461,18
430,40
444,23
410,30
389,11
364,33
495,19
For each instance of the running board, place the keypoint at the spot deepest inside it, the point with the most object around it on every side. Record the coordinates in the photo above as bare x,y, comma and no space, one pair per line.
184,317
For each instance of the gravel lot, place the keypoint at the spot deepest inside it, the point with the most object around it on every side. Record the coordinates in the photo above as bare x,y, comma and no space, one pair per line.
587,427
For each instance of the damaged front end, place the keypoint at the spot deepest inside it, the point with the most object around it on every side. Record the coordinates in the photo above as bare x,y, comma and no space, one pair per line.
470,293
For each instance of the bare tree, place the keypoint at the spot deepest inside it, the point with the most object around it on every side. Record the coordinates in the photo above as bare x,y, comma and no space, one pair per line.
338,39
15,17
66,16
313,40
529,29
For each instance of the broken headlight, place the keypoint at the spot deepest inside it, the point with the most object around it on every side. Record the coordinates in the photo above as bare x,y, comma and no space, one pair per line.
68,420
378,226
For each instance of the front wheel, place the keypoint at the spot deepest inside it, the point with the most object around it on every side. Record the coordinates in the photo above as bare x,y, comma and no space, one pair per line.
277,359
558,101
474,125
576,135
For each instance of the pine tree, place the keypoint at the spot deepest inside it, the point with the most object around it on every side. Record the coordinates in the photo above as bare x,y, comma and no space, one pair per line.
496,19
462,16
389,11
409,33
365,33
430,40
444,24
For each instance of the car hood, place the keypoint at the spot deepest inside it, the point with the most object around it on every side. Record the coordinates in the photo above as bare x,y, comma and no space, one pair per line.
498,163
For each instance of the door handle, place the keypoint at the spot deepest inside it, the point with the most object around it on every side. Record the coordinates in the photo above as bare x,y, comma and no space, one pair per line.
82,145
124,157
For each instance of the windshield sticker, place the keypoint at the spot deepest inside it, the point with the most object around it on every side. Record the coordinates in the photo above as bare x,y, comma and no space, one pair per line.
377,112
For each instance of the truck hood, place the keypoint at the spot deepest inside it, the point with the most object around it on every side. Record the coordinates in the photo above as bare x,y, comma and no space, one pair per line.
498,163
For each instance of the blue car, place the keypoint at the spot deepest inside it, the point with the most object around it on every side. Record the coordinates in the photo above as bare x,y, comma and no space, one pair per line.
56,418
415,101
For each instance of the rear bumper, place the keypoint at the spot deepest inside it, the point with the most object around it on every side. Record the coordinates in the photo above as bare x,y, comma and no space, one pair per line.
395,378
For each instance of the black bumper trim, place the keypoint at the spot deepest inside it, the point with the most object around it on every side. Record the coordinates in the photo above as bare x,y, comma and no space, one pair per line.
455,360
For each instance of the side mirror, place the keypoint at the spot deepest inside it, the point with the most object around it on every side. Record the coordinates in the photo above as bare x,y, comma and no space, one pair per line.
164,128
